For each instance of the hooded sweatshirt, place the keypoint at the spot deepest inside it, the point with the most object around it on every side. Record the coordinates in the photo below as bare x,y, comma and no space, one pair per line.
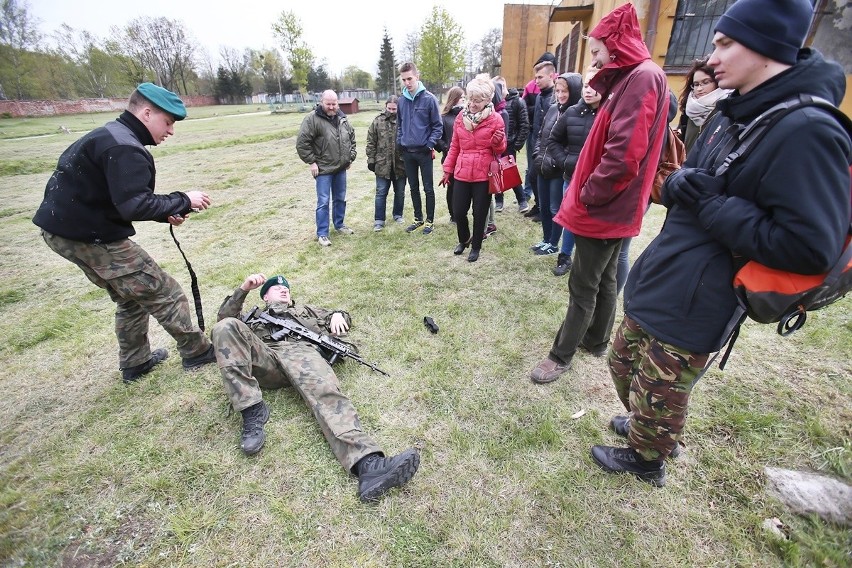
612,181
419,120
785,205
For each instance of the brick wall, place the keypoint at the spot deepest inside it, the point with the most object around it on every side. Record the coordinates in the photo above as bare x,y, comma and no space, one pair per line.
49,108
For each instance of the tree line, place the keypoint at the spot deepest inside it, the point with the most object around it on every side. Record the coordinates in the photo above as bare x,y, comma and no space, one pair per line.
69,63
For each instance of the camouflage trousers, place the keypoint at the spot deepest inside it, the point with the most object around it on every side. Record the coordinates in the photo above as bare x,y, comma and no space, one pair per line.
247,364
653,380
139,288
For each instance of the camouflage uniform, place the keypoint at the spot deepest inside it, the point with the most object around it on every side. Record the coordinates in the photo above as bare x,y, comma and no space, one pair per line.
250,360
653,380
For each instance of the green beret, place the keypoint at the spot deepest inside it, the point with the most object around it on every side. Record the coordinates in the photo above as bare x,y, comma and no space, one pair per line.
163,99
270,282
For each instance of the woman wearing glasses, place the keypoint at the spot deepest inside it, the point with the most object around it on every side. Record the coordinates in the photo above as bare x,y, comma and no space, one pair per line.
698,101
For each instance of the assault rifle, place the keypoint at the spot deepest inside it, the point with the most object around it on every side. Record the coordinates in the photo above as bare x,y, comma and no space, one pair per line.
289,327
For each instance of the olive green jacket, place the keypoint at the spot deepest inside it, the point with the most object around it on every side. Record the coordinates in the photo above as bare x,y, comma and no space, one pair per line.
382,149
329,142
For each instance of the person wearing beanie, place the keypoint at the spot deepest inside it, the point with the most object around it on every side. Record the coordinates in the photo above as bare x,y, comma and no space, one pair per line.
102,184
785,204
610,185
250,359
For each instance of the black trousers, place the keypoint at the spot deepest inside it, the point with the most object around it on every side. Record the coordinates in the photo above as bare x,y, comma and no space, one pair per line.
465,193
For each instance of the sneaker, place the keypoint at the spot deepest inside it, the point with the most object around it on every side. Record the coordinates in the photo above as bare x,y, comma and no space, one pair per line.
563,265
538,245
532,211
498,207
378,227
626,460
398,220
378,475
427,228
254,417
192,363
132,374
546,250
323,241
621,426
490,229
548,371
414,226
523,207
344,230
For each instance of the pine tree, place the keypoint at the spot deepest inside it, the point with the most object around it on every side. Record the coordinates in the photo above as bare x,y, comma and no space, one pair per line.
386,77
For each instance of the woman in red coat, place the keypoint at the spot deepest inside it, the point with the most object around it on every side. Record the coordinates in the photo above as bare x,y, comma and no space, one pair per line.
478,136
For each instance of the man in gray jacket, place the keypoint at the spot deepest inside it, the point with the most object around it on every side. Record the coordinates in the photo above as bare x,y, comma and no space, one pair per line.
326,143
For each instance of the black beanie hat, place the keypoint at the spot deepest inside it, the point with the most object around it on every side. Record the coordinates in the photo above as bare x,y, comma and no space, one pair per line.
546,56
773,28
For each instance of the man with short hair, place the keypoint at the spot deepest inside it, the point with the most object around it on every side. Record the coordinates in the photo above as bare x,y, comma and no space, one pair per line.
326,142
785,204
250,359
611,185
419,127
103,182
544,81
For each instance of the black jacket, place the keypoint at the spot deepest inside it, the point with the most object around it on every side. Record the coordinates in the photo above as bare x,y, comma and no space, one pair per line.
518,128
546,164
785,205
542,104
568,136
103,182
446,138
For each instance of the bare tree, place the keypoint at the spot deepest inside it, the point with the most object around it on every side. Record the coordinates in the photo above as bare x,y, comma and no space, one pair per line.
159,46
18,34
490,51
411,48
97,71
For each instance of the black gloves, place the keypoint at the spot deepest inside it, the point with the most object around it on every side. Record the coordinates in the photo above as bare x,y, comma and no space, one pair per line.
371,166
693,188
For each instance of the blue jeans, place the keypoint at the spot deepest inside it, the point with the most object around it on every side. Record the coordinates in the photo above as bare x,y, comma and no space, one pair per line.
567,236
382,187
421,161
546,189
531,177
330,188
623,264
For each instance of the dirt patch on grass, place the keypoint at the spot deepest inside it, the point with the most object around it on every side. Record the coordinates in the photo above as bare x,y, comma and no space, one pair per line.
93,550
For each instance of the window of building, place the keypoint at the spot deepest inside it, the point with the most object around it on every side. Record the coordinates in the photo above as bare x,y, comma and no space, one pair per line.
692,31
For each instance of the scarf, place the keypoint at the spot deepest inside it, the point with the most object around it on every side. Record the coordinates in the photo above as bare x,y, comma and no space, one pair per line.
472,120
698,109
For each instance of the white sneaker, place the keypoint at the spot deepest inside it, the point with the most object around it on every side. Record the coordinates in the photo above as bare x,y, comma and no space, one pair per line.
323,241
399,220
378,227
344,230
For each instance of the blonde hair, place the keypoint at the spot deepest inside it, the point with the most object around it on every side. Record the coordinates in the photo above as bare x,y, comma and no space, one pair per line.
480,87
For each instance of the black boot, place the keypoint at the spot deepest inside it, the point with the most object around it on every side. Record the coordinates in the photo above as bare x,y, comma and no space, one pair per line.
190,363
131,374
377,475
621,426
254,417
626,460
563,265
473,255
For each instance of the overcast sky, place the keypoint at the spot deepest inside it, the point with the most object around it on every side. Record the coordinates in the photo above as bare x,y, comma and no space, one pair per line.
341,32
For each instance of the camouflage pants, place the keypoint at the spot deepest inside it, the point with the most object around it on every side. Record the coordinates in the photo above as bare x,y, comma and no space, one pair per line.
247,364
139,288
653,380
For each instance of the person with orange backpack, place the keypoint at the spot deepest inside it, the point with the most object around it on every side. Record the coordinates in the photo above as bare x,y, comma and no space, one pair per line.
786,204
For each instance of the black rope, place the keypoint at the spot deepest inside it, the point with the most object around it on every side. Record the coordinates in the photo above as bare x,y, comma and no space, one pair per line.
196,293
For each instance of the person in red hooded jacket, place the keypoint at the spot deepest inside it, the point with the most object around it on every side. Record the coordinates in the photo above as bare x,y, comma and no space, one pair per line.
611,184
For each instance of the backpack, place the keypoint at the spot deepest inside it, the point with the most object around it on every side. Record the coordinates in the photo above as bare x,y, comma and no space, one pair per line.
768,295
671,159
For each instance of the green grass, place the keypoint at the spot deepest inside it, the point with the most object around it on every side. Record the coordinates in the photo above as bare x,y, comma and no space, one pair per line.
95,473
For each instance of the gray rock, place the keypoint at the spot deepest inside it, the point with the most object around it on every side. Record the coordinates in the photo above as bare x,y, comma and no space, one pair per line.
806,493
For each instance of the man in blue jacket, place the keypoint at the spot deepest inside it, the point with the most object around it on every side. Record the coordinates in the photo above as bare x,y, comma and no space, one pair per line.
103,182
785,205
419,128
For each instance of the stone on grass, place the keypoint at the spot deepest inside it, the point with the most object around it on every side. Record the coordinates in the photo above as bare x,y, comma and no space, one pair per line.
809,493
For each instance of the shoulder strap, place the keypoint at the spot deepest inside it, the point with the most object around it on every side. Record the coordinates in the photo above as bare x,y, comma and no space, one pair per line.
757,128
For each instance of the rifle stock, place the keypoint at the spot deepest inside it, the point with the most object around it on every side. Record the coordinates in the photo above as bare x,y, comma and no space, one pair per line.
288,327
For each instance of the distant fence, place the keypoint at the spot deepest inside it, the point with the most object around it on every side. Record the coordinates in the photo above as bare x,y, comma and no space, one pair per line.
50,108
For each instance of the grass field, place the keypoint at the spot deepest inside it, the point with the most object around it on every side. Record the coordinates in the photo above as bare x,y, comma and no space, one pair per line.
96,473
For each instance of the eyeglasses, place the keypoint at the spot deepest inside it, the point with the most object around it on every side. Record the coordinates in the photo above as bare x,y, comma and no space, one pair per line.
702,83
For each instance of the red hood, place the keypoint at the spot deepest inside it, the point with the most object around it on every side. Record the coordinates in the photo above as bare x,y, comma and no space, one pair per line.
620,33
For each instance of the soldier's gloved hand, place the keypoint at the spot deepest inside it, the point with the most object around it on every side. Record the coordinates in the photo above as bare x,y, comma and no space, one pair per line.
371,166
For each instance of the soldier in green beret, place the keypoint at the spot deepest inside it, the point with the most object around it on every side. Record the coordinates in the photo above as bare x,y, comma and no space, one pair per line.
249,359
103,182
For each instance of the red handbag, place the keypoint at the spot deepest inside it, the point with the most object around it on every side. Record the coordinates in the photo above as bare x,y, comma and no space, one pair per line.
503,174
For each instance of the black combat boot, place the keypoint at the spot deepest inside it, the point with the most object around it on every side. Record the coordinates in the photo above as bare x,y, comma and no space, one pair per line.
131,374
191,363
254,417
377,475
563,265
621,426
626,460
